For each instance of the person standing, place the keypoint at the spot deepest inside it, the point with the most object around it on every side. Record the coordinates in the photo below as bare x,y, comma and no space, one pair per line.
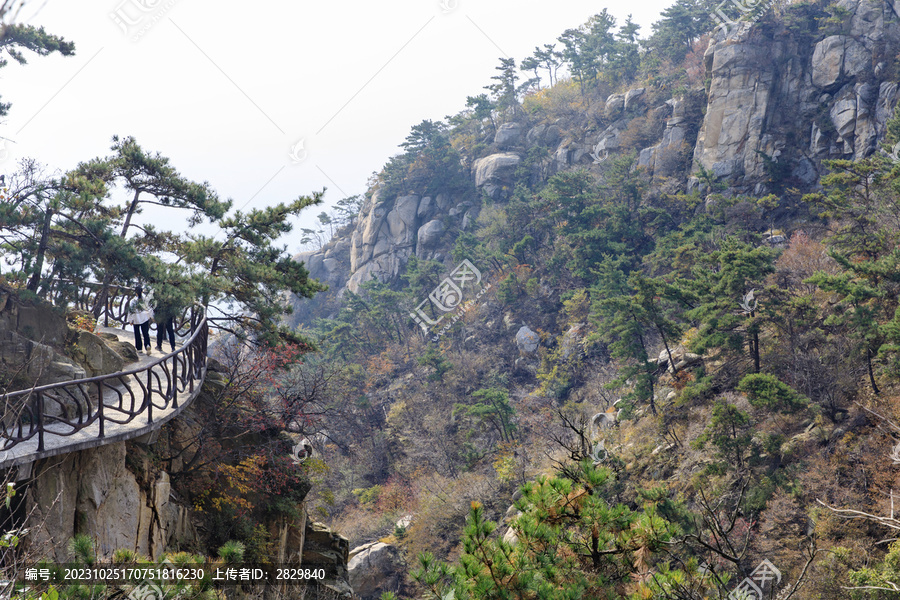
139,314
165,323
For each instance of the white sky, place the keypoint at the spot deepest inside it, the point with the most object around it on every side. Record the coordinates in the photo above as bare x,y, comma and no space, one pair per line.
227,89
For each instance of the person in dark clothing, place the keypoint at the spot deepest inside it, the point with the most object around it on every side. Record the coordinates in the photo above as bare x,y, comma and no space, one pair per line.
169,300
139,315
165,325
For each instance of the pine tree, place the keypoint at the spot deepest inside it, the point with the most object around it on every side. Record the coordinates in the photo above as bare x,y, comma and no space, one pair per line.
719,284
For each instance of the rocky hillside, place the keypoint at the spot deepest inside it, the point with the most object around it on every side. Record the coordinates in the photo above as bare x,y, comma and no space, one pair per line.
687,309
776,103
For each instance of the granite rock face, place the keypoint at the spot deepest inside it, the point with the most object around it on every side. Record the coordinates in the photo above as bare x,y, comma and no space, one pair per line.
92,492
32,341
772,97
375,568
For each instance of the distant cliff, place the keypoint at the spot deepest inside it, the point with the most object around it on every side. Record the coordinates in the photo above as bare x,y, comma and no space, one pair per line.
778,100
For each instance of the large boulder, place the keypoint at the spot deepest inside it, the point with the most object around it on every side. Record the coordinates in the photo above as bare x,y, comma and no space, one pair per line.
615,104
124,349
95,356
508,135
402,219
838,57
32,339
375,568
526,340
573,340
634,99
36,322
680,356
494,173
430,233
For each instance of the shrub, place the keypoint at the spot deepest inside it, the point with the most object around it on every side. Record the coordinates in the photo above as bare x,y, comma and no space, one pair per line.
766,391
232,552
367,496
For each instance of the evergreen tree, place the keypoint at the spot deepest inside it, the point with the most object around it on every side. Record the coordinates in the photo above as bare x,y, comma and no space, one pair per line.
506,90
721,281
245,276
572,542
681,25
546,58
15,38
588,48
151,180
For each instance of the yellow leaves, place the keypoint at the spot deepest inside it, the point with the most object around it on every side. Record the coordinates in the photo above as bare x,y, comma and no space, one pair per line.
505,463
240,485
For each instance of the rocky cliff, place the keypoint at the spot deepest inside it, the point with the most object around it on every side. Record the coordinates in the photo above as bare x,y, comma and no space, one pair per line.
779,95
778,100
121,495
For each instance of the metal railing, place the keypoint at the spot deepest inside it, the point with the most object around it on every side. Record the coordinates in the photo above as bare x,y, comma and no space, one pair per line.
66,408
110,306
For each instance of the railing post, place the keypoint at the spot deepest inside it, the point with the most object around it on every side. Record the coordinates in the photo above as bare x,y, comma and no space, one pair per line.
174,384
39,413
149,398
190,367
100,408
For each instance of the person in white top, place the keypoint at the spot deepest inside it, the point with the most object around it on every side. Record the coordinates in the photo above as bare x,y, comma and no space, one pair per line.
139,314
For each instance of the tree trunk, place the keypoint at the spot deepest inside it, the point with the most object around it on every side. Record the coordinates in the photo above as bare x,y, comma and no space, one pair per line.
755,352
42,250
130,213
668,351
871,372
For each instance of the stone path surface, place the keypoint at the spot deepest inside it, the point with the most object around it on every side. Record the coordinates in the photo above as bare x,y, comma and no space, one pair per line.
152,367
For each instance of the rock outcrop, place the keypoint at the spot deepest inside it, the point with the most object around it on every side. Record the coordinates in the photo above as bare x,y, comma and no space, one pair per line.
375,568
778,102
494,173
527,341
327,550
94,493
771,97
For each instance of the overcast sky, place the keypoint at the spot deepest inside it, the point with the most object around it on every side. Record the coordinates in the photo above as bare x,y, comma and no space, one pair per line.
266,100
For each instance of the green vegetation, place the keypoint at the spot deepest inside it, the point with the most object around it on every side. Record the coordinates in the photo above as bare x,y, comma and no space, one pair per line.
72,228
691,373
699,383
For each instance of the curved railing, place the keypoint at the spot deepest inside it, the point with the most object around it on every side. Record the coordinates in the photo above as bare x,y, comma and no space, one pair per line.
154,393
109,305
